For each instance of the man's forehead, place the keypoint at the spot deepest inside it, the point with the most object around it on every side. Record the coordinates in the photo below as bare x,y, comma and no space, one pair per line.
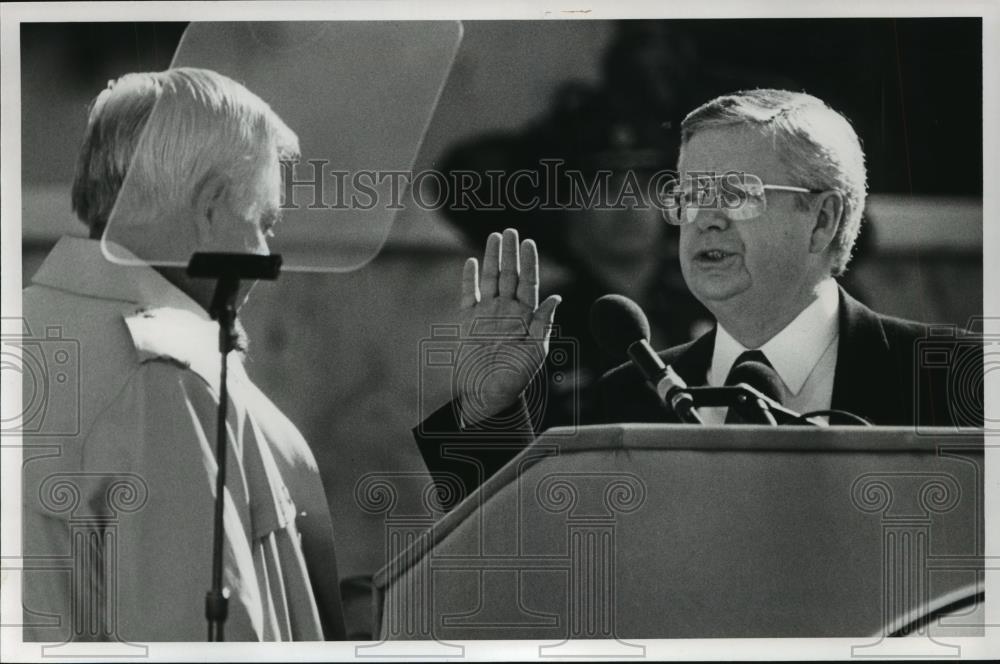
732,148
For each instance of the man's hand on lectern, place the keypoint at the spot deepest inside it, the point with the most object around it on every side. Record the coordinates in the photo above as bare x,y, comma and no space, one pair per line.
505,332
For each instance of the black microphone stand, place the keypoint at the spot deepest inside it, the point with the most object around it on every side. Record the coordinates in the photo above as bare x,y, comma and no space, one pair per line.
228,269
748,402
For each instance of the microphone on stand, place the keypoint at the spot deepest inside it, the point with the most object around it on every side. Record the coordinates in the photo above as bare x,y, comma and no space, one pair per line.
753,395
758,399
764,389
621,328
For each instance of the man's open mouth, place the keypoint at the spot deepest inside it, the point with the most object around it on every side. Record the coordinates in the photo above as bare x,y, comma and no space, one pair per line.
713,255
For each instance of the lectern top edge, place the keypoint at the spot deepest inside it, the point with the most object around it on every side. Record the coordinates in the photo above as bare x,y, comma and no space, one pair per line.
682,438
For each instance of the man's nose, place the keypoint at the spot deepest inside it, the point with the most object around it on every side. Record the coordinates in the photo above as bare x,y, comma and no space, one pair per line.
711,217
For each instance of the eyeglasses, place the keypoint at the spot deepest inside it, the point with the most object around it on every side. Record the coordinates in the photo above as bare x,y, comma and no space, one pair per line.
740,196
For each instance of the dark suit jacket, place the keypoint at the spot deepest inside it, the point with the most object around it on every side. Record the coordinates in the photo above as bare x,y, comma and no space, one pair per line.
889,371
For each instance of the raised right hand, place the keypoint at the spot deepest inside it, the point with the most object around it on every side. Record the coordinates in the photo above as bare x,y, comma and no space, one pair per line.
500,308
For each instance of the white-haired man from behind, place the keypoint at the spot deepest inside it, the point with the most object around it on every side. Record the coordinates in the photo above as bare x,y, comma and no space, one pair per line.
178,161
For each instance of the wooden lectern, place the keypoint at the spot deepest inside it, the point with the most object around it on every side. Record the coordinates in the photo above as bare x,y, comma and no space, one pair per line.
653,531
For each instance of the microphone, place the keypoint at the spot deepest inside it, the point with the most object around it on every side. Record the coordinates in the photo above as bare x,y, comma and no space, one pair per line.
620,327
758,400
764,388
760,384
759,376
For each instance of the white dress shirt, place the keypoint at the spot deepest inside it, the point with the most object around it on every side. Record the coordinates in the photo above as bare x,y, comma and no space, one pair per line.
804,354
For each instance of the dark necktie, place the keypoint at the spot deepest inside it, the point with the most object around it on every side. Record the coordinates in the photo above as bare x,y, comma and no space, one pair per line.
746,356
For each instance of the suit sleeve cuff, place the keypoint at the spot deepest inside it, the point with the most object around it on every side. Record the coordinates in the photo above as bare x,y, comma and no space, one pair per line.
459,458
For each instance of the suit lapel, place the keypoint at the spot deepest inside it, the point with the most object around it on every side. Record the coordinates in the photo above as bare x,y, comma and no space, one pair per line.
865,382
625,396
693,360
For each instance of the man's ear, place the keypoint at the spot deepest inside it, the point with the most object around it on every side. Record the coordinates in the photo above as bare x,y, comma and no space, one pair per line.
829,215
209,199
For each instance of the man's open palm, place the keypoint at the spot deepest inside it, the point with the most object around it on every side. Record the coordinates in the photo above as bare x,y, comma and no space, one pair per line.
505,329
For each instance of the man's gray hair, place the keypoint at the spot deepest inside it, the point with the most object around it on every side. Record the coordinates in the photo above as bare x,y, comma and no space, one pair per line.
817,144
168,132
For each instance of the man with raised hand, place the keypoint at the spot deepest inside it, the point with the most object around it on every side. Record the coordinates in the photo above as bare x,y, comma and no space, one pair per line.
765,268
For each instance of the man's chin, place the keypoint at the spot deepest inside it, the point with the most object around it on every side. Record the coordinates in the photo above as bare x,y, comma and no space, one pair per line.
716,293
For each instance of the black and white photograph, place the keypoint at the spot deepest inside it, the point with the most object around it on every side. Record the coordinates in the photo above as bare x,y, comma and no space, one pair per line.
390,331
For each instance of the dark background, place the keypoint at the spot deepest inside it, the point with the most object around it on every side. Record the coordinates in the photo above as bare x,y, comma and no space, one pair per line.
912,87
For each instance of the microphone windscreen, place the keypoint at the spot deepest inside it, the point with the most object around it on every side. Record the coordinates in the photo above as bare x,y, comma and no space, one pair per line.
616,323
759,376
